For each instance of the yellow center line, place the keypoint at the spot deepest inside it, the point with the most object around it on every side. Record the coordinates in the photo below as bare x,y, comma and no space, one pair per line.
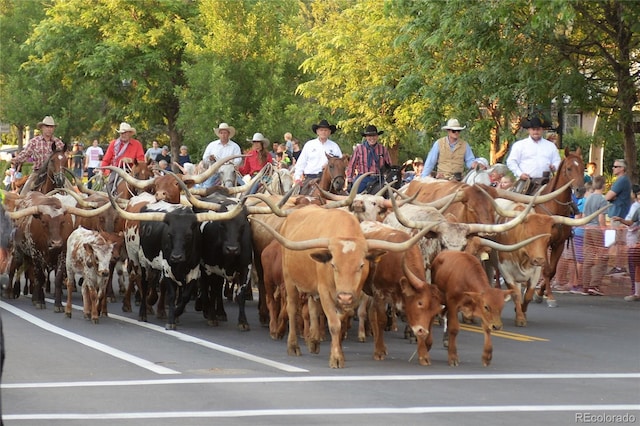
504,334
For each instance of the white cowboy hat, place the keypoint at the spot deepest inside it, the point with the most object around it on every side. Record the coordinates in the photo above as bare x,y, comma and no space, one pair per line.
125,127
259,137
47,121
483,161
225,126
453,124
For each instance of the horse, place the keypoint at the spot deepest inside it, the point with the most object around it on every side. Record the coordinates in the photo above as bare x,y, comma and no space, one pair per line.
278,181
389,174
139,170
571,168
52,173
332,178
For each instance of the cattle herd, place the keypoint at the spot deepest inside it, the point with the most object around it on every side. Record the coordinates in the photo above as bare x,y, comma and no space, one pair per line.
424,252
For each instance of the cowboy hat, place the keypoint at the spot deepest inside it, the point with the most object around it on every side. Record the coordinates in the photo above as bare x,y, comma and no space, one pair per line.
371,130
225,126
418,160
47,121
483,161
125,127
324,124
453,124
535,122
258,137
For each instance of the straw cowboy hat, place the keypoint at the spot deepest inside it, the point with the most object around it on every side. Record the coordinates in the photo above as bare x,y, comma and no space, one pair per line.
47,121
371,130
324,124
125,127
259,137
225,126
453,124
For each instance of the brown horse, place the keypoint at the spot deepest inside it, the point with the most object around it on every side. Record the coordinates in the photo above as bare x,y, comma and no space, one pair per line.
140,171
571,168
52,173
332,178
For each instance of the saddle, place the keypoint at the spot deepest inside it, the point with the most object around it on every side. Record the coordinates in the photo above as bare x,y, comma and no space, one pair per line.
530,186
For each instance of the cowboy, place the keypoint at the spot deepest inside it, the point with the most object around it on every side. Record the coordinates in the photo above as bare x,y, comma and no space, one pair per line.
38,150
368,157
450,154
221,148
313,157
534,158
122,151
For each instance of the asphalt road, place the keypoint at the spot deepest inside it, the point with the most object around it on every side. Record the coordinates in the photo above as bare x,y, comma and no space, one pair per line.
578,363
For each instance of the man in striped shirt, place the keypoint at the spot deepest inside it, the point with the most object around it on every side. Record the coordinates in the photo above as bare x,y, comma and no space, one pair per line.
369,156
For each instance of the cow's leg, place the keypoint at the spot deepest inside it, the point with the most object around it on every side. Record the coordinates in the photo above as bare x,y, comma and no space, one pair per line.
365,303
528,297
217,298
453,327
70,285
37,297
243,295
61,271
152,295
378,323
521,320
487,351
273,305
86,301
134,281
548,274
144,288
102,297
93,298
292,309
313,339
257,272
170,288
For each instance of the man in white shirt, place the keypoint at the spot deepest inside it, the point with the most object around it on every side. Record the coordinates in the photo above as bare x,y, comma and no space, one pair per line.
221,148
92,158
313,157
533,157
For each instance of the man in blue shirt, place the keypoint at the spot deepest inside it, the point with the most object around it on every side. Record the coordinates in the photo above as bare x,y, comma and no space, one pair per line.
620,193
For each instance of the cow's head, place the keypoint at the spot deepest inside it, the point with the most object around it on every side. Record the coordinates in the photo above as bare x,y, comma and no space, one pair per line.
486,305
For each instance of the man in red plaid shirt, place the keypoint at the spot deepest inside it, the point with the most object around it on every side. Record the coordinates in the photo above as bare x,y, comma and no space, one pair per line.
38,150
369,156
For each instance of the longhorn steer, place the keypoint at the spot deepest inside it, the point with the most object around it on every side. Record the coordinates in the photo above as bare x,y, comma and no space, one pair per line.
401,278
89,254
461,277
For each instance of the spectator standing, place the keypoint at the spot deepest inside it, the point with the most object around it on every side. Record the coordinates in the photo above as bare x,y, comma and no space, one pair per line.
152,152
533,158
368,157
595,254
183,155
92,159
164,155
620,193
76,160
591,170
449,154
296,150
288,143
313,157
632,221
38,150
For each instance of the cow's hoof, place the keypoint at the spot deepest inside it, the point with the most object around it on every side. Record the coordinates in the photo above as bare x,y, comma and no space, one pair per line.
244,327
126,308
95,320
454,362
213,323
336,362
111,300
169,326
294,351
521,322
221,317
67,314
552,303
314,346
537,298
379,356
161,315
56,309
142,318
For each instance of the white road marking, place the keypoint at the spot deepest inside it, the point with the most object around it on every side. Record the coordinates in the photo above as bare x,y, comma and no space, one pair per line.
326,412
307,379
148,365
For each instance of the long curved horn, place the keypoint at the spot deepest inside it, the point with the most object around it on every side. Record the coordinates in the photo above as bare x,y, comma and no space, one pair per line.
148,216
578,222
341,200
215,216
414,280
315,243
501,227
193,200
88,213
199,178
521,198
399,247
510,247
273,208
247,186
140,184
408,222
403,198
29,211
79,200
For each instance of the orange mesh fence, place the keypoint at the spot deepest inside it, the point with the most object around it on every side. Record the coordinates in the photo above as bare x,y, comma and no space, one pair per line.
605,257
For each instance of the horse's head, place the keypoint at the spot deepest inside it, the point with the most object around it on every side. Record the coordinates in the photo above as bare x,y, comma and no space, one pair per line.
334,172
393,173
227,175
52,174
572,167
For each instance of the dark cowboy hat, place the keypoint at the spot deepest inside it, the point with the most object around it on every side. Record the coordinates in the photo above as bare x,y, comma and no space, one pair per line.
535,122
371,130
323,124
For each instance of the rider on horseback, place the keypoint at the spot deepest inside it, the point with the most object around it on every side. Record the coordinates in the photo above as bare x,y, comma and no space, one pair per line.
221,148
313,157
533,159
369,156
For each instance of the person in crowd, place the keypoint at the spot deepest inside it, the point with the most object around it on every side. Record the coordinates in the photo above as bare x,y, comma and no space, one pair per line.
496,173
162,167
450,154
164,155
620,198
122,151
368,157
506,182
595,255
153,152
222,147
76,160
38,149
411,169
632,222
288,143
183,155
533,159
479,173
282,155
313,157
296,150
257,157
591,170
92,159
